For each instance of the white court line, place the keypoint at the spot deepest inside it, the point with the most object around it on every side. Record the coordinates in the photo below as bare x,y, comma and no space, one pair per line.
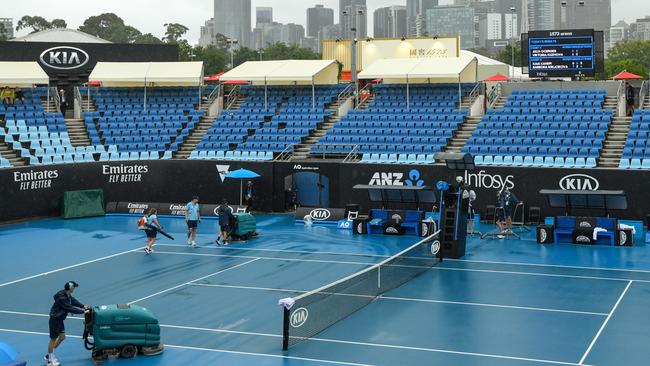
197,279
602,327
549,265
69,267
266,258
538,274
379,345
216,350
397,298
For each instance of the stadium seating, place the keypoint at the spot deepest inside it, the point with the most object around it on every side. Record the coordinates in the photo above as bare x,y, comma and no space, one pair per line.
389,131
636,154
39,136
4,163
543,128
255,131
121,119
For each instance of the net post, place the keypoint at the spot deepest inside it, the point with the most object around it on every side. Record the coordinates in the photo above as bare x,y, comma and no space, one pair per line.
285,329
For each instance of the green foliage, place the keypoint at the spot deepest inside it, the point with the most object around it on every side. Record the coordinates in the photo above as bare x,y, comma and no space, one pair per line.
282,51
174,32
38,23
214,58
110,27
244,54
4,35
505,55
147,38
633,56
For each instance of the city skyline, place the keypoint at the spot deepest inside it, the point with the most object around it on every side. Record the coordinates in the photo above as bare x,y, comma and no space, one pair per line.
285,11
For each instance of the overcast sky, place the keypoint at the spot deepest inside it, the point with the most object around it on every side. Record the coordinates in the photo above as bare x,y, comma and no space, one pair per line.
149,15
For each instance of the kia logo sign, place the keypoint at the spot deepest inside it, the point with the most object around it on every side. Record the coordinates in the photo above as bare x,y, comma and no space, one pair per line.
299,317
579,182
64,58
320,214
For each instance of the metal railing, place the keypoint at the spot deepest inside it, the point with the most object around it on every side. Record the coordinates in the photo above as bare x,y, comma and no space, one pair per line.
643,93
54,94
494,95
285,155
345,94
473,95
215,93
78,109
620,100
353,156
232,97
363,99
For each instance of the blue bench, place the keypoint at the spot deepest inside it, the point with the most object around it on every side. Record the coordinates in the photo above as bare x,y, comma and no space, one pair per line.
610,225
378,226
411,222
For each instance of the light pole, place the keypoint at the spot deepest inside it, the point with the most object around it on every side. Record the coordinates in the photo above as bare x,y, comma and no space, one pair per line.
353,43
513,11
260,52
231,44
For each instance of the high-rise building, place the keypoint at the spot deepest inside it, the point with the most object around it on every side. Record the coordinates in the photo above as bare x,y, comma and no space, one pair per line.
353,14
208,34
263,14
330,32
506,7
233,19
318,17
618,32
640,30
575,14
541,14
390,22
416,11
274,32
7,28
454,20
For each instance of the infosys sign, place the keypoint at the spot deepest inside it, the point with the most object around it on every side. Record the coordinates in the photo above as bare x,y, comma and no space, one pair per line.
64,58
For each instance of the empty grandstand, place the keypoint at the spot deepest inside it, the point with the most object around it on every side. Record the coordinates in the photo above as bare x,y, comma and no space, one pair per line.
543,128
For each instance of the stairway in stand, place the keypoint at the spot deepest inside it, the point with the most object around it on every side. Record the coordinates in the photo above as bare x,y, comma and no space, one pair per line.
614,143
462,134
301,151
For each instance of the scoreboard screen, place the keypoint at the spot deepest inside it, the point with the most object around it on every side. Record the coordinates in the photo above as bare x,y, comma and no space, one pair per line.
566,53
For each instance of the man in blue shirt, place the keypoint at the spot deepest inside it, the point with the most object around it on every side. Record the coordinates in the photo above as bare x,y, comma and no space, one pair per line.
64,304
192,217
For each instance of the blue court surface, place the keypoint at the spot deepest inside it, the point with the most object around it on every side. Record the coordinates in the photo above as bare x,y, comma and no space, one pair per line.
507,303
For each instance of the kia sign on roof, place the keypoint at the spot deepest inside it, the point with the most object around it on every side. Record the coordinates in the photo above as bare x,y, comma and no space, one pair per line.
64,58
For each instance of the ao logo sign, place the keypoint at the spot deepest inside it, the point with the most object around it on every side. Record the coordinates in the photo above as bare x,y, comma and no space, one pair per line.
299,317
64,58
320,214
579,182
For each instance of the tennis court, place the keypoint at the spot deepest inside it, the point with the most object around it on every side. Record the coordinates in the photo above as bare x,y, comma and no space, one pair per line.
507,303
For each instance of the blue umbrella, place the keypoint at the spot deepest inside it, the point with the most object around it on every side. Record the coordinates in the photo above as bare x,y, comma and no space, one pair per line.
242,174
7,354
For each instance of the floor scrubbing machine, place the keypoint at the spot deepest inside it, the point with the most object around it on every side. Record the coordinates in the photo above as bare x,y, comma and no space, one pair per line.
121,331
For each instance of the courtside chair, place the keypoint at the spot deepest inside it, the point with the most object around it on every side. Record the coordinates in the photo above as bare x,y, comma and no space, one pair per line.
548,162
528,161
478,160
194,155
498,160
581,163
635,164
591,163
220,155
569,162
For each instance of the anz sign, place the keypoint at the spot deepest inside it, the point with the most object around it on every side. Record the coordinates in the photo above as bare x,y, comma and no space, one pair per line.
64,58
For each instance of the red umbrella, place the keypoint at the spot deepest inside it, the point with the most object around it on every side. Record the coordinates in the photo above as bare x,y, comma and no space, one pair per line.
625,75
94,83
497,77
214,77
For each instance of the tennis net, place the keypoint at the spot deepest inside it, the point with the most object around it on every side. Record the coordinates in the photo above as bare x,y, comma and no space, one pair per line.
317,310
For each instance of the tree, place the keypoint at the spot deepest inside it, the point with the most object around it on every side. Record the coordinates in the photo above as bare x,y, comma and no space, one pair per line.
505,55
38,23
633,56
4,35
147,38
244,54
214,58
110,27
174,32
